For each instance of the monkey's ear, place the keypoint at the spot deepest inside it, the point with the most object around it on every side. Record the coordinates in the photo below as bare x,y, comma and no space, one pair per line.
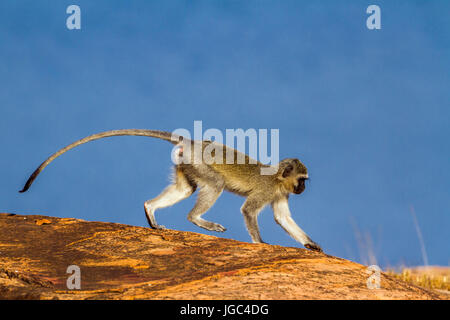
287,170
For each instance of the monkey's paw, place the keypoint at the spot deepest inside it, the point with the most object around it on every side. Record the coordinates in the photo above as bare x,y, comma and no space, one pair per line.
215,227
313,246
159,227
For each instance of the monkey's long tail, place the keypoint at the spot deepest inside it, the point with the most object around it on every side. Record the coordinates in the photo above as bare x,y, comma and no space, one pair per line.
126,132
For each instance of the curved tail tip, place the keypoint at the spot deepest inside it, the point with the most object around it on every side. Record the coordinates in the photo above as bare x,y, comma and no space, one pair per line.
23,190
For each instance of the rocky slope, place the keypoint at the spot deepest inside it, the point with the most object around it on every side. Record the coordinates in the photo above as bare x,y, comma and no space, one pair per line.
125,262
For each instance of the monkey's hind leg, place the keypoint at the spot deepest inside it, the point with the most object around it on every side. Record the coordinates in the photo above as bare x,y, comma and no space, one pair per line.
207,196
181,189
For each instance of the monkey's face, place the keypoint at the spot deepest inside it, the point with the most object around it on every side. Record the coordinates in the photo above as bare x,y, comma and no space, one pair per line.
294,174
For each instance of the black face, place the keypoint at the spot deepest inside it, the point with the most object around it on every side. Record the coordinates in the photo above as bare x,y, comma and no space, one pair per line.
300,186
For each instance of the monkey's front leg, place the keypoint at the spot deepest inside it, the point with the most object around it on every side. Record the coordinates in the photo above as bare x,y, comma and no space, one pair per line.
283,218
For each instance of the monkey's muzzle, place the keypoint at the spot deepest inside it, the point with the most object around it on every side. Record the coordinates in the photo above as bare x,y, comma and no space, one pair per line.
300,187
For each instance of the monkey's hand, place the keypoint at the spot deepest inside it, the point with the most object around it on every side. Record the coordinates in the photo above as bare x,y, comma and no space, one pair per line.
313,246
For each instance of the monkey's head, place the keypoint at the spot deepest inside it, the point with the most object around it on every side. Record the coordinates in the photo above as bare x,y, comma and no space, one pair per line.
293,174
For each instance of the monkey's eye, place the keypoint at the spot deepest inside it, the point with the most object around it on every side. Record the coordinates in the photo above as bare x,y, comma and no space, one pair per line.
287,171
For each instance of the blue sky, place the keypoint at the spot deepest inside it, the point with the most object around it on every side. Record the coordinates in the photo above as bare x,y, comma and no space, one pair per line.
367,111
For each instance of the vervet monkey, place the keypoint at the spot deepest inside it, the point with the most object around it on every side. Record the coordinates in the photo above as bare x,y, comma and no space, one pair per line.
212,177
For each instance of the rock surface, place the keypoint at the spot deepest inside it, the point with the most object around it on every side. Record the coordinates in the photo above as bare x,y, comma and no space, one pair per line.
126,262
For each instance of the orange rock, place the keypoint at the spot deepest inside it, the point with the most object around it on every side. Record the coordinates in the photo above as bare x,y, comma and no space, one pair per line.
125,262
40,222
